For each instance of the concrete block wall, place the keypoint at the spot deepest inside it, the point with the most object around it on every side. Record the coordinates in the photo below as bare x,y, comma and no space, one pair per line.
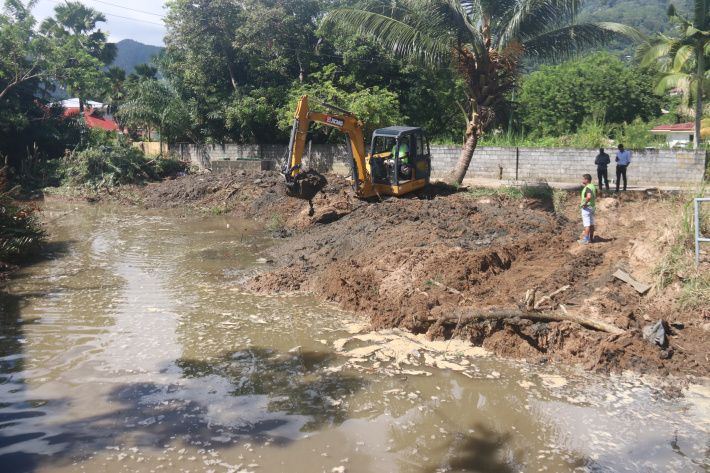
649,167
276,153
321,157
228,166
487,162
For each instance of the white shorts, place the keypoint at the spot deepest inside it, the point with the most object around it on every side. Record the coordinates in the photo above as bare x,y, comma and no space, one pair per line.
588,217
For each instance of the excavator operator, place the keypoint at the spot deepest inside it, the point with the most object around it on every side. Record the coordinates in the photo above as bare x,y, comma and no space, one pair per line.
404,169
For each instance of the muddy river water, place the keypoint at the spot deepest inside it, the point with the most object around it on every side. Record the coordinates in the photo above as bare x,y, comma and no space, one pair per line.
133,348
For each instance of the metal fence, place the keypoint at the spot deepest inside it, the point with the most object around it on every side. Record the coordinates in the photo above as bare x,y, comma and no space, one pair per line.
697,228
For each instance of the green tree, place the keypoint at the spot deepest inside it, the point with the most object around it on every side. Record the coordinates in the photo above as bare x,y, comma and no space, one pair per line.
28,63
27,56
74,31
156,103
76,19
238,61
426,95
115,94
485,41
376,107
557,99
145,71
683,58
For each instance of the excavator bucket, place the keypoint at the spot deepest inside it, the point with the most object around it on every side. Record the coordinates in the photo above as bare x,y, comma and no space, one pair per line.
305,185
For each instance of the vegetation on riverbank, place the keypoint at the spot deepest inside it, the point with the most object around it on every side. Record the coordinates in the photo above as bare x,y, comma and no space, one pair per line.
678,263
20,232
201,90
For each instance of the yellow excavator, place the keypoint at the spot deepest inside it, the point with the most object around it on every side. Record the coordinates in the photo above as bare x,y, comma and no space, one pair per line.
399,161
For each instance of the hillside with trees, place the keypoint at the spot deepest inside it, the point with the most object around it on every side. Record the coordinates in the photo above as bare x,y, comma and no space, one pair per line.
648,16
131,53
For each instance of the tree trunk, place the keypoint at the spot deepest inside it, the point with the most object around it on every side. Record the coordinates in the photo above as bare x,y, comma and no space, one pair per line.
301,70
464,161
468,315
699,97
230,68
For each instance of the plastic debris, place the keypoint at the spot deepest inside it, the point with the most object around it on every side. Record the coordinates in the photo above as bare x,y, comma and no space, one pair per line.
656,333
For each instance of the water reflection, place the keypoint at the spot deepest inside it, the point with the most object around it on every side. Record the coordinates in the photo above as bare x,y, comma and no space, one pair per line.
296,383
13,408
134,349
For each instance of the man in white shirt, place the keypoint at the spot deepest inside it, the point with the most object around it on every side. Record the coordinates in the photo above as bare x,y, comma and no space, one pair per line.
623,159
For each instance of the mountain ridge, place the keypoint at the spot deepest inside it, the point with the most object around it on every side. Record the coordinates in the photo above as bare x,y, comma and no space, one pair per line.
131,53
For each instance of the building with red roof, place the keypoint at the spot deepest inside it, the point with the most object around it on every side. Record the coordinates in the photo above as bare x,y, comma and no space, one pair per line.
94,119
678,134
95,114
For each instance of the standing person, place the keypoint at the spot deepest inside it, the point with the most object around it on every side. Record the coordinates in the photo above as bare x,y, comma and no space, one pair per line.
602,160
623,159
589,199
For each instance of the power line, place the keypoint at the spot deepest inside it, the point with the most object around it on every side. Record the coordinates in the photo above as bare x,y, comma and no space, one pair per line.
119,16
132,9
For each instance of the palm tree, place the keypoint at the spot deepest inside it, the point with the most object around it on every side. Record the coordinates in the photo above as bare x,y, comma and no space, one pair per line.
484,40
76,23
682,59
156,103
74,18
115,95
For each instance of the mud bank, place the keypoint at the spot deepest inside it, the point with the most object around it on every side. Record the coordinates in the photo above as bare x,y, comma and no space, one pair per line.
421,261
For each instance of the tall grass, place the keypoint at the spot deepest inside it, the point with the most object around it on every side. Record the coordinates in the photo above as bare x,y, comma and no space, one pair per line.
678,263
595,132
525,191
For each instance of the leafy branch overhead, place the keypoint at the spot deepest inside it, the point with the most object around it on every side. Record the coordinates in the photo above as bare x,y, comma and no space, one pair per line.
68,49
485,42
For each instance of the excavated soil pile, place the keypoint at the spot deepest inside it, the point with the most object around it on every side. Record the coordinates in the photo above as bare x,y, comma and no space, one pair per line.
410,262
424,261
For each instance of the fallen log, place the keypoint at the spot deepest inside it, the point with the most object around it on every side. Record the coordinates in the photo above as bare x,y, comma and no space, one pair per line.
549,296
468,315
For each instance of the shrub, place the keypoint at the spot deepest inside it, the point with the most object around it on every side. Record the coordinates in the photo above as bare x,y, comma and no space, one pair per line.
20,232
166,166
107,166
104,166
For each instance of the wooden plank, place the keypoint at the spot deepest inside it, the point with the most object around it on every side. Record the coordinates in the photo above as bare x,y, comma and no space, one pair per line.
641,288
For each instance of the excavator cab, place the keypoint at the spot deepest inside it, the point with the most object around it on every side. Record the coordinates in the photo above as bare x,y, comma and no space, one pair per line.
399,155
399,161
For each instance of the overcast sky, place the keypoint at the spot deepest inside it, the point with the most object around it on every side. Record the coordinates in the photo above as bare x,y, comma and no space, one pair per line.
139,20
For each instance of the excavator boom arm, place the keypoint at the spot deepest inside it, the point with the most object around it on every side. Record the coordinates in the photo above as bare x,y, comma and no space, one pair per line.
346,122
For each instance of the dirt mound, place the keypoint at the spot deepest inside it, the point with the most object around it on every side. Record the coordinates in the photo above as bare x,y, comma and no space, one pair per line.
412,261
404,261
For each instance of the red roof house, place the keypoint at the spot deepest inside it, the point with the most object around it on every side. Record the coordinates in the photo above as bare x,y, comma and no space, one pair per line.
678,134
94,119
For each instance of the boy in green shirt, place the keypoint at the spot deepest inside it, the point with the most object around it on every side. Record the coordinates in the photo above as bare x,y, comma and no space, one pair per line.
588,206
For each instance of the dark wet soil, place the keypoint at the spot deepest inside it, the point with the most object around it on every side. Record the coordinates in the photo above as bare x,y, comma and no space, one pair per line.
404,262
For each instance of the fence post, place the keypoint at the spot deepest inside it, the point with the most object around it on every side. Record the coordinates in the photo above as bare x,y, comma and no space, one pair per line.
697,228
